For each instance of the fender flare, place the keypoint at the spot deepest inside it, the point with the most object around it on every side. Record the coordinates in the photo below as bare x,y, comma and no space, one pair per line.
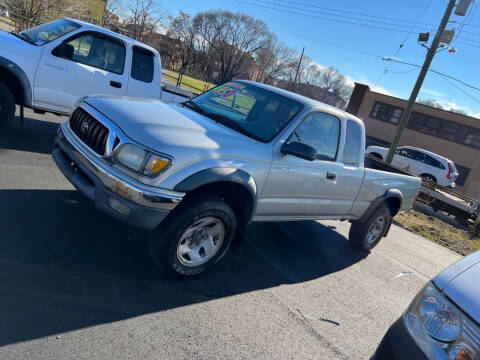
218,174
391,193
22,78
221,174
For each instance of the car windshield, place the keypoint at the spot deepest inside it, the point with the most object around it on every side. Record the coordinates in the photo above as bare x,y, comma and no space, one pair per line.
43,34
249,109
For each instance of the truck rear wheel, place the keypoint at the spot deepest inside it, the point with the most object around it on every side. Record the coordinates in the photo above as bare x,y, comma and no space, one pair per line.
7,103
194,237
366,235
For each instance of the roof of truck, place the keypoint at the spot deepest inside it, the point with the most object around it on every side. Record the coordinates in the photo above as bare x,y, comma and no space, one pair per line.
126,39
305,100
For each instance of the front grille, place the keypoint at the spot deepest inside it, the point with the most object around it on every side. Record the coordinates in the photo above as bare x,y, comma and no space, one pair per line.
89,130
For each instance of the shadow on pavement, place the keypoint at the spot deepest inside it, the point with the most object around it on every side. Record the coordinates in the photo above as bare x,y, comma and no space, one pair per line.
35,136
66,266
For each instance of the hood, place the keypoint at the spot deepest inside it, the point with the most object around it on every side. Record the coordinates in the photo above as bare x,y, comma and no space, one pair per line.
20,52
12,43
460,282
168,127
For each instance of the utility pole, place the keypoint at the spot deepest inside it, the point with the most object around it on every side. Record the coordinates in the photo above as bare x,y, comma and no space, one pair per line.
298,69
416,89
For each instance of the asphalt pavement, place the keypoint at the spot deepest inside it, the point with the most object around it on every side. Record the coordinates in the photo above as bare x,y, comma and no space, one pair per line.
76,284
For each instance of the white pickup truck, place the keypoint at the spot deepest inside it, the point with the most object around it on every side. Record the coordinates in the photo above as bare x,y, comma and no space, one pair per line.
51,66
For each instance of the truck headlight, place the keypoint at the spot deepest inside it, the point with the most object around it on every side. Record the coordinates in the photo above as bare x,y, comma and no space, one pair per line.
441,329
140,160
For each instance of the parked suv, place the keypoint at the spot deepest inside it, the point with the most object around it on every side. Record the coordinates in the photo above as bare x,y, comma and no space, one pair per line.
429,166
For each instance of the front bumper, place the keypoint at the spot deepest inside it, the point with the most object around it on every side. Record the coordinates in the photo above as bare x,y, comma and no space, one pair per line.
397,344
118,198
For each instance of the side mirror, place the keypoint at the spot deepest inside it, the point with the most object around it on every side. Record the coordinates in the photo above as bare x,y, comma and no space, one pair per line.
300,149
64,51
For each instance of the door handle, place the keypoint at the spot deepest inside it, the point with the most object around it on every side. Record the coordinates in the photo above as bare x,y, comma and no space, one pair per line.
331,175
115,84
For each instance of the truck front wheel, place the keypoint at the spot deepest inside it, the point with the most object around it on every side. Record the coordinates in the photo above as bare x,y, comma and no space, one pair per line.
367,234
7,103
194,237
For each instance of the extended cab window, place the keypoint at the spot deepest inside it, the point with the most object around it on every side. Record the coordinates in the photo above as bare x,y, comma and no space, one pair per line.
353,143
94,50
142,64
321,131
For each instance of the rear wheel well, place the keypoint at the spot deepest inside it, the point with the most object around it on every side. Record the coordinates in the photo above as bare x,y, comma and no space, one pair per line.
238,197
393,205
13,84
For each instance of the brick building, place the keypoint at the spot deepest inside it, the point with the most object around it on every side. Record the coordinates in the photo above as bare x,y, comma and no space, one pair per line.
446,133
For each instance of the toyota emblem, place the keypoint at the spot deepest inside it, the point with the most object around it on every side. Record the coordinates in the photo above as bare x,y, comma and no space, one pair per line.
84,127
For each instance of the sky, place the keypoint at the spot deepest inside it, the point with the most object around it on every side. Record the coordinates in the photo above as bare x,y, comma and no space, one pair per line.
357,50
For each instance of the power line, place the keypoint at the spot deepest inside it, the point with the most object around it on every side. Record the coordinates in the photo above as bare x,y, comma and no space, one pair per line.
459,88
401,44
436,72
355,13
389,26
331,44
282,7
322,18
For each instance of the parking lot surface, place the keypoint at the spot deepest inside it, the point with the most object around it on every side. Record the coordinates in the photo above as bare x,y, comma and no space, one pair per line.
77,284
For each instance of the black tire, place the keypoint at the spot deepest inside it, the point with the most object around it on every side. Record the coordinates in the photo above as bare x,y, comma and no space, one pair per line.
7,104
429,178
165,240
358,234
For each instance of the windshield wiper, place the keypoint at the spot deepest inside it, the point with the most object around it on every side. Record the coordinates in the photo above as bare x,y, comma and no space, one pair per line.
194,106
22,36
222,119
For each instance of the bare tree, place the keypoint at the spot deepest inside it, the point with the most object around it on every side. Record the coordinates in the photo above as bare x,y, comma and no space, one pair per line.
182,31
143,17
232,39
29,13
273,62
431,102
112,13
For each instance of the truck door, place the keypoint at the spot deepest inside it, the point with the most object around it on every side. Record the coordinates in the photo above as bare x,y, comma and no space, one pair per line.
87,63
320,188
145,74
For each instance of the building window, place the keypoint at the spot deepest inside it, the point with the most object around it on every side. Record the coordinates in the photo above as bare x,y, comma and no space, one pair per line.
473,138
432,126
448,130
385,112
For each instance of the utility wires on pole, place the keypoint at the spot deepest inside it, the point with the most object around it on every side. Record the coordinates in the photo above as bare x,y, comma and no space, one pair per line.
421,77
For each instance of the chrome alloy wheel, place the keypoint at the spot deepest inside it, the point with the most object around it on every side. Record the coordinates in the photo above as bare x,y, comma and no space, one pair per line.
200,241
375,230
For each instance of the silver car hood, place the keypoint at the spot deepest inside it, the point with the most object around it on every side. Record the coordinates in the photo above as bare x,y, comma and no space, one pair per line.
168,127
461,283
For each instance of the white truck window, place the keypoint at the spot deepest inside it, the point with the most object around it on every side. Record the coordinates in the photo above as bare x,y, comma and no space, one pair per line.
98,51
353,142
142,64
321,131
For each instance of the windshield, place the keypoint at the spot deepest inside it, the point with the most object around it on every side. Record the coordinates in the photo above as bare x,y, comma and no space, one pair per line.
43,34
251,110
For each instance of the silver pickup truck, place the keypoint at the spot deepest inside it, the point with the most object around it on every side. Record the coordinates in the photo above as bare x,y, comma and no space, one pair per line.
196,173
